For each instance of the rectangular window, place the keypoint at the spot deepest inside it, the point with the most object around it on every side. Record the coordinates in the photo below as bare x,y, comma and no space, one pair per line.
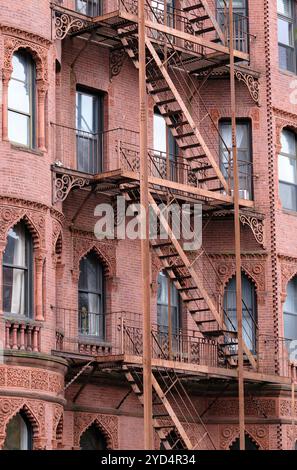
244,155
89,7
286,37
240,20
89,127
161,132
287,171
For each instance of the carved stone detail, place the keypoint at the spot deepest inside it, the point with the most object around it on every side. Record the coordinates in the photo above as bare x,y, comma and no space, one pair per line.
30,379
84,242
252,84
258,434
10,216
107,424
255,225
35,412
256,407
288,271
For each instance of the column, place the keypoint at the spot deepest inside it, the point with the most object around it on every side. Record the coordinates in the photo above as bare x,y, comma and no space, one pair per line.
39,260
42,88
6,74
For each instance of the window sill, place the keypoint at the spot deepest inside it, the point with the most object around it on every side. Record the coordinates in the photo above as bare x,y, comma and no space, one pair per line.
287,73
289,212
22,148
20,319
93,340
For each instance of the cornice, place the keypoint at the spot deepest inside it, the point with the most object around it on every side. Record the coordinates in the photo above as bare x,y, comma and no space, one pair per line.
20,33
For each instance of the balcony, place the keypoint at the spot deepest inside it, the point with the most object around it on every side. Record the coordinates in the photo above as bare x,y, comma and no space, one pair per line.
22,335
119,336
205,22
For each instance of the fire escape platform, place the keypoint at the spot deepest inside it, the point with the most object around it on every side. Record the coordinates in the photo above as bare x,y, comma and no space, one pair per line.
202,371
115,179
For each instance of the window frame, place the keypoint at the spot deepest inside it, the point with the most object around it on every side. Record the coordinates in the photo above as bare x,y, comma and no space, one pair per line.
90,5
287,313
98,124
31,67
250,174
293,22
29,275
237,11
286,183
100,294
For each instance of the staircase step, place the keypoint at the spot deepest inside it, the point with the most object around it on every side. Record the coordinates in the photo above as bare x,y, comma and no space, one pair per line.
201,322
154,79
205,30
183,136
169,255
196,157
178,124
170,100
220,188
199,19
210,178
193,299
160,245
171,113
189,146
183,289
175,266
160,90
193,7
202,168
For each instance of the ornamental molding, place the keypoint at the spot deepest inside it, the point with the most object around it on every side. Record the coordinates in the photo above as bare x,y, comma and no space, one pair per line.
291,437
116,62
84,242
285,408
288,271
257,433
252,265
57,237
63,184
31,379
107,424
251,83
35,413
15,39
34,219
253,407
256,225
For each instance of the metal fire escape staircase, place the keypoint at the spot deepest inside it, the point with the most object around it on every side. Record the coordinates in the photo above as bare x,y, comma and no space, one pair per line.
174,414
173,104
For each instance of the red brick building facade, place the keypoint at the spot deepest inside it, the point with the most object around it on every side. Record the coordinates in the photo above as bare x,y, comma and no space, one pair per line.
70,111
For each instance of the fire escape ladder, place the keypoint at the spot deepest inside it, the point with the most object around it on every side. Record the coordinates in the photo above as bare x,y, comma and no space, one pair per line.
173,411
191,287
202,19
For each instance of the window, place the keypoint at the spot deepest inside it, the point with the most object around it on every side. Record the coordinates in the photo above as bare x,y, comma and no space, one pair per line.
18,434
89,7
286,36
90,297
249,444
287,171
89,125
21,100
17,272
244,155
93,439
290,312
240,20
249,310
165,285
159,163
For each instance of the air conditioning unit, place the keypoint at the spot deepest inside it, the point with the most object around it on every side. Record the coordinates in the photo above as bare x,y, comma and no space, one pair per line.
243,194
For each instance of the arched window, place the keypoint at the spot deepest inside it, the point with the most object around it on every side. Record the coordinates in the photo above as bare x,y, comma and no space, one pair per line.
18,272
21,100
287,170
19,433
290,311
91,297
167,292
249,444
249,310
93,439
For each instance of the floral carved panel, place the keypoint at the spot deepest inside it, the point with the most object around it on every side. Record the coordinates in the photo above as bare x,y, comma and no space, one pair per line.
107,424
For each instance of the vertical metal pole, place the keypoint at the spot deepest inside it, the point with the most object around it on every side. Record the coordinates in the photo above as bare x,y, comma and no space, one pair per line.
145,247
237,235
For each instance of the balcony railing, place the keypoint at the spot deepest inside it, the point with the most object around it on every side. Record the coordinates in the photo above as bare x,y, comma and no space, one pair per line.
175,18
22,335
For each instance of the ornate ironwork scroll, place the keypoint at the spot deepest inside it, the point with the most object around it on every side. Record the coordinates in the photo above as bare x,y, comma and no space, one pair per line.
64,184
65,24
252,84
116,62
255,225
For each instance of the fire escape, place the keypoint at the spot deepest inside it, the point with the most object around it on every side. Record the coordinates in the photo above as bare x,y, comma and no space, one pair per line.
181,45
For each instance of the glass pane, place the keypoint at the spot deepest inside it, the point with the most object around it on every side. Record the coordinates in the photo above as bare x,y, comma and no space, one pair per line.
18,128
290,305
287,169
90,278
159,133
86,110
15,251
19,96
17,435
20,67
288,196
288,141
284,7
14,290
285,32
88,153
290,326
91,319
286,58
